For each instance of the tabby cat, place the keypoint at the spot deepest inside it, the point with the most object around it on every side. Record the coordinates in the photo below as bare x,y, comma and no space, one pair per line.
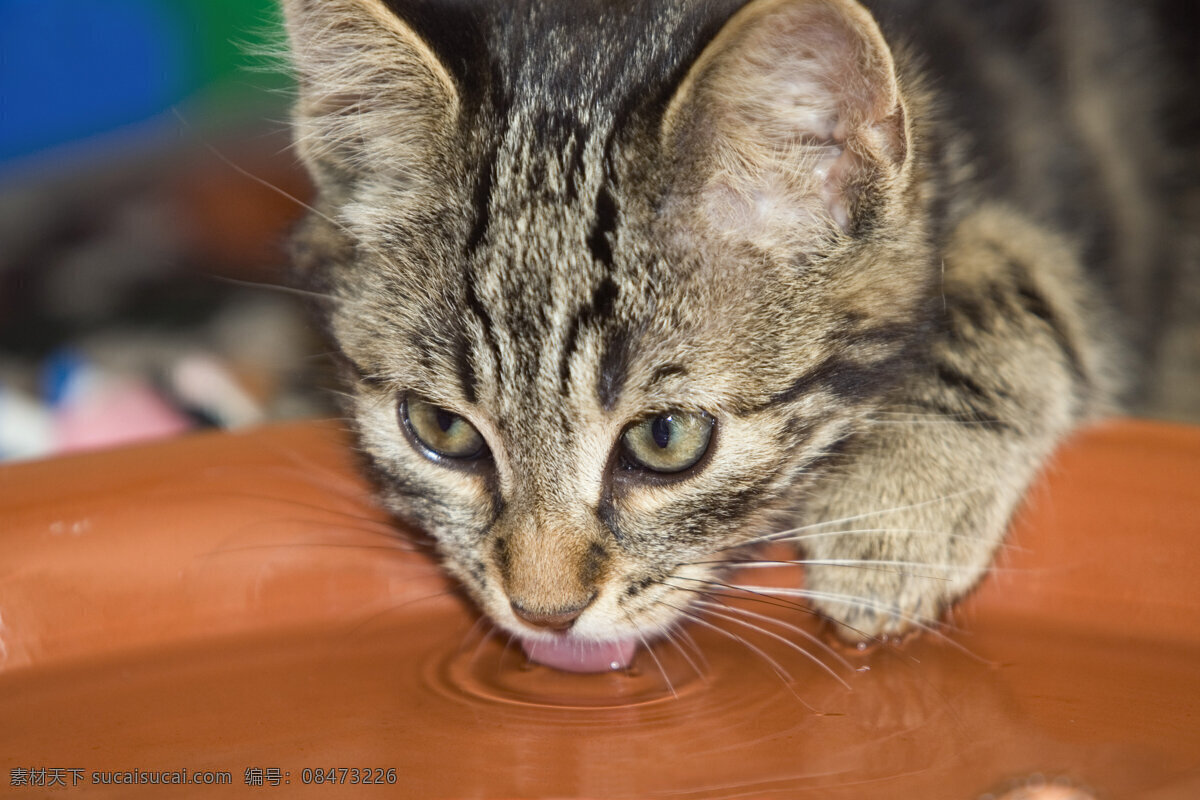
624,289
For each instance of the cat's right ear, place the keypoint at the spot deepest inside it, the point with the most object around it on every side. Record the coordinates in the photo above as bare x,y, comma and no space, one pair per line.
373,96
790,128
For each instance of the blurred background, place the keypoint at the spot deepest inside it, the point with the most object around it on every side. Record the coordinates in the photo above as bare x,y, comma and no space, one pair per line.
144,174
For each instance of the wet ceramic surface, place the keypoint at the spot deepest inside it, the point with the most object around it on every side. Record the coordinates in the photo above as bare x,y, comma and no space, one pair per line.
233,603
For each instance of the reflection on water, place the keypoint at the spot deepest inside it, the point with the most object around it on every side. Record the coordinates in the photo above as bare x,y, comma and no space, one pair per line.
497,671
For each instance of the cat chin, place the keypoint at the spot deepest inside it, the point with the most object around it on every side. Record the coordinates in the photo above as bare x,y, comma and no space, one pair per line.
572,654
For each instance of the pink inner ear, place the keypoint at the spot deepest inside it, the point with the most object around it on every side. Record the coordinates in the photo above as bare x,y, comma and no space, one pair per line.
801,101
776,208
834,179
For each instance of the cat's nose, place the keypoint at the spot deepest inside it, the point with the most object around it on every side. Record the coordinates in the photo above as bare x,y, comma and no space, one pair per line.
551,619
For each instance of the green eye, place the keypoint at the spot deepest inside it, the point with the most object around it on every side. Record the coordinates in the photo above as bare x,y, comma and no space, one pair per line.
669,442
439,431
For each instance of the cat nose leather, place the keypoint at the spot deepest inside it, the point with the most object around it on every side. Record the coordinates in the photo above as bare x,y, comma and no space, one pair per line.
555,620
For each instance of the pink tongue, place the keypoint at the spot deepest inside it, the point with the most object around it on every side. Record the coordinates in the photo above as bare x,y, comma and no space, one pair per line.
575,655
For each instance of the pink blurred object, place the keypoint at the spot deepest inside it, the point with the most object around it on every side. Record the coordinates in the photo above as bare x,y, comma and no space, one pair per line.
100,410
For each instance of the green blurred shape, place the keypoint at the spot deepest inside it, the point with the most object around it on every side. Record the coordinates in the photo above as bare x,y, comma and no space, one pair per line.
232,39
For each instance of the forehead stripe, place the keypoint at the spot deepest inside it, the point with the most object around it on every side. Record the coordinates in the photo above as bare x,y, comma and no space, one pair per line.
481,201
466,367
614,365
601,307
604,225
475,306
662,373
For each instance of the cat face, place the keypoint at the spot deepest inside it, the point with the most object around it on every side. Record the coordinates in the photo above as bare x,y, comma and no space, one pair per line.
608,311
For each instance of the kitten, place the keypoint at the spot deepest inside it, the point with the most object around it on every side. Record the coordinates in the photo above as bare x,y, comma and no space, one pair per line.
625,288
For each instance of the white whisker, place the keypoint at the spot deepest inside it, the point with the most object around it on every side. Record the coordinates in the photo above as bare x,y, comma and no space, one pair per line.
736,592
865,515
712,606
670,638
896,567
275,287
834,597
282,193
779,670
487,634
926,625
646,645
881,565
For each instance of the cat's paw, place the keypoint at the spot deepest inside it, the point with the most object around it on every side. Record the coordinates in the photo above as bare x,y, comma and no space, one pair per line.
866,603
904,531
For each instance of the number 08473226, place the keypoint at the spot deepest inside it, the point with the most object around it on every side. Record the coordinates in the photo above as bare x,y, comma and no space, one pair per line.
340,775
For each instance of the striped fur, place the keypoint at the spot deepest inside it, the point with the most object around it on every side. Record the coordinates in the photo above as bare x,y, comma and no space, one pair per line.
554,219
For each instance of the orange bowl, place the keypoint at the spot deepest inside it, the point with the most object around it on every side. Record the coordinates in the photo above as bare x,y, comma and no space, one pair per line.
231,609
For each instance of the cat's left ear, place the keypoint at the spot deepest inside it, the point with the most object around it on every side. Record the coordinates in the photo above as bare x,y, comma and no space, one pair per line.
790,127
374,97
